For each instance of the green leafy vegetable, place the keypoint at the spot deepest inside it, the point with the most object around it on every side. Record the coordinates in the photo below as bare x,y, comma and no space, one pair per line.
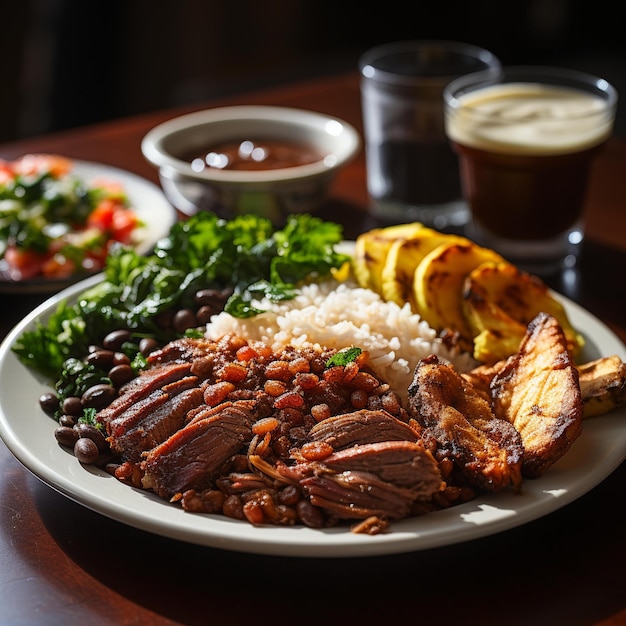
89,417
245,255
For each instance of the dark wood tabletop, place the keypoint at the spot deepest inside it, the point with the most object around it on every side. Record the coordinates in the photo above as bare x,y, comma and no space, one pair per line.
61,563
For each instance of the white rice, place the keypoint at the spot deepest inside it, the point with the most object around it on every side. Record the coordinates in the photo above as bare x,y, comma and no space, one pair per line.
342,315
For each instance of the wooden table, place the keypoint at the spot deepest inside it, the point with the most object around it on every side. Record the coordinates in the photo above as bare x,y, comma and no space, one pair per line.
63,564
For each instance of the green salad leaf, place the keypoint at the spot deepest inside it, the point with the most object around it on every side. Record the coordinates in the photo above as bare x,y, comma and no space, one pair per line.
246,255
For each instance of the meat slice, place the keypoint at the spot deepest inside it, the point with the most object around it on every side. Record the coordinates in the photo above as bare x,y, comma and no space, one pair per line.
185,349
380,479
402,463
538,392
192,456
205,411
141,387
487,450
360,427
155,425
119,425
135,413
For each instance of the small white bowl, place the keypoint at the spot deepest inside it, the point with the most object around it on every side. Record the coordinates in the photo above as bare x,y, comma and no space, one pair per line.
273,193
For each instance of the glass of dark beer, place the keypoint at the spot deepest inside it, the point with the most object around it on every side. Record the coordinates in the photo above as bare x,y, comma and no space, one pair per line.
412,172
526,142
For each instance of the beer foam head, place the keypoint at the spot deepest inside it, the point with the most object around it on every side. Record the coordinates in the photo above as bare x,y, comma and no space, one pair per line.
529,118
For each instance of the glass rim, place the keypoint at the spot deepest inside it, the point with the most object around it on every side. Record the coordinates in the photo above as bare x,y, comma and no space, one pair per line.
368,69
539,74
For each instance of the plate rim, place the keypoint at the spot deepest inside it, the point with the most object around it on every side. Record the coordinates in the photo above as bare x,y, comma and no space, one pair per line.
483,516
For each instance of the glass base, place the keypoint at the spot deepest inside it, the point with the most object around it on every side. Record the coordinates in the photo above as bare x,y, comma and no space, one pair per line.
453,214
542,257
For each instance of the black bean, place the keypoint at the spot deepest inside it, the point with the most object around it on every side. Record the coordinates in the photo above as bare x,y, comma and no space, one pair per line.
116,339
66,436
86,451
110,467
119,358
164,318
72,406
121,374
67,420
208,296
289,495
203,314
89,431
99,396
101,358
309,514
148,345
49,402
184,319
105,459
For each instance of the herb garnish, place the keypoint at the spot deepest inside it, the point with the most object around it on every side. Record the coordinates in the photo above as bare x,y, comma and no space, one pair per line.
343,357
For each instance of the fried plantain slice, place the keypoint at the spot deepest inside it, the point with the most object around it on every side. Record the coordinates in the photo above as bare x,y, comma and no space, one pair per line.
499,301
602,385
538,392
371,252
403,257
481,376
488,451
439,281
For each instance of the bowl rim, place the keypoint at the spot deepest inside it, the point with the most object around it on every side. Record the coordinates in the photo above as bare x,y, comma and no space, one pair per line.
153,150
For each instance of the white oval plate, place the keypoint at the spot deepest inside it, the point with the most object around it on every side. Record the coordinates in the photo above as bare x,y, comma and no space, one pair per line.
29,434
147,201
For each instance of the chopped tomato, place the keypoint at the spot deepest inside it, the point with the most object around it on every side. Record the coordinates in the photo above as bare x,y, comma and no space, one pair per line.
102,216
124,224
58,266
95,260
23,264
6,172
115,219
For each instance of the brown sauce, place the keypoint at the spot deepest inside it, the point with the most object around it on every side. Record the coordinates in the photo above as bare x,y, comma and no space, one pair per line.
254,155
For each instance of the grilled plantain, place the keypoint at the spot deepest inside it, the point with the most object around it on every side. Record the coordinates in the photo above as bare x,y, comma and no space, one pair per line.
371,252
403,257
439,280
471,293
538,392
481,376
499,301
602,385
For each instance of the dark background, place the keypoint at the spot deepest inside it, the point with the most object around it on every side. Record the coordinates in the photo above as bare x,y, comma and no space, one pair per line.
68,63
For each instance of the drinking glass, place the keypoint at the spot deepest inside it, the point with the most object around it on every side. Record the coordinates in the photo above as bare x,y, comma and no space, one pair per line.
412,172
526,141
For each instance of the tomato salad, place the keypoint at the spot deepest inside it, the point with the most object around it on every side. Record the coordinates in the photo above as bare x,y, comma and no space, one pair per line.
55,225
